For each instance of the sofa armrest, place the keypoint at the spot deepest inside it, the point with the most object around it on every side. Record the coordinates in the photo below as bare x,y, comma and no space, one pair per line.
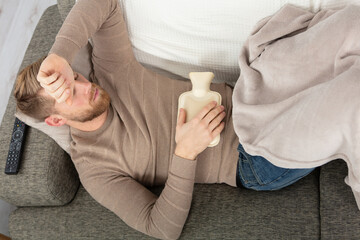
64,7
47,175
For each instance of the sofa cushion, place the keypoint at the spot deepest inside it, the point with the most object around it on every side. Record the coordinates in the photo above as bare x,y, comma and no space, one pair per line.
340,217
218,212
47,175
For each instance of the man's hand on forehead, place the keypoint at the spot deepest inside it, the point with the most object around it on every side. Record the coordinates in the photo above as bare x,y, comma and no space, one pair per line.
57,78
56,86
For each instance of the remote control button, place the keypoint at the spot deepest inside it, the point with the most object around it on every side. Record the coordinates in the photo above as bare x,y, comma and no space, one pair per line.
18,146
17,135
12,146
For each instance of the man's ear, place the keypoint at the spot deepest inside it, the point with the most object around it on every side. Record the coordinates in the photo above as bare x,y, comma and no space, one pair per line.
55,120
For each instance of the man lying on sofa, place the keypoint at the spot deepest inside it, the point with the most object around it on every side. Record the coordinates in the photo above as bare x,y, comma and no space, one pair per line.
125,131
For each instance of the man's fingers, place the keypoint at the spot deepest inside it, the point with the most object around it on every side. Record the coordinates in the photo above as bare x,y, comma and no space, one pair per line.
57,84
214,123
57,94
218,130
182,117
41,76
213,114
206,110
45,79
69,98
64,96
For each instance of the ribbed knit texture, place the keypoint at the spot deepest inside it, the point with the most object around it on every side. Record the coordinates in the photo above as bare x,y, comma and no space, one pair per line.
134,147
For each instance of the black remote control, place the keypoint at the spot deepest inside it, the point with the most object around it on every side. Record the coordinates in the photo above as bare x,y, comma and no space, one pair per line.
15,149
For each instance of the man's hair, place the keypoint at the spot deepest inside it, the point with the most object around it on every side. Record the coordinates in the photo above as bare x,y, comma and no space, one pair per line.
26,93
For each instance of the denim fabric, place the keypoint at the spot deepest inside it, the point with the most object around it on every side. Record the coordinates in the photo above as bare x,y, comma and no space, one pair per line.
255,172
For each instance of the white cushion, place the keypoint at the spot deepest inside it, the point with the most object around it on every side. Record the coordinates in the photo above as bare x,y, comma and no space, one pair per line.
182,36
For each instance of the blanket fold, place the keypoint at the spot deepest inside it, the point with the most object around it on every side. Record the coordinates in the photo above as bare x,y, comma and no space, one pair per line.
297,102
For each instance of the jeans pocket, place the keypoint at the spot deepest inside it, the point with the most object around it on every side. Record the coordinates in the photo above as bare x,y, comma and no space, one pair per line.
265,172
245,172
255,172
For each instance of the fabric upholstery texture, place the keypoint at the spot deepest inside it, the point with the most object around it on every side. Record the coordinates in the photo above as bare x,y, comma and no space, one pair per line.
340,218
218,212
47,175
64,7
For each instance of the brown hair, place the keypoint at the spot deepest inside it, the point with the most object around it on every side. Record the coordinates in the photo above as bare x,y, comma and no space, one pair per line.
26,93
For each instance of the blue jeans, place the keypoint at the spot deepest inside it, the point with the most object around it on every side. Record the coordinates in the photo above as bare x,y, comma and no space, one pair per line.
255,172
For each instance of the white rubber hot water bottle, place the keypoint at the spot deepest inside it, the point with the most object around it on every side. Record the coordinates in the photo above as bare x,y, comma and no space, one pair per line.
200,95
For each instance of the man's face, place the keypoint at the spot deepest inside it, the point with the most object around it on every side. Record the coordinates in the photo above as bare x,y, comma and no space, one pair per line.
89,101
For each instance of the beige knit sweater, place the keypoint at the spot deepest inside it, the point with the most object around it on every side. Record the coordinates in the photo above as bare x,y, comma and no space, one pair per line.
134,148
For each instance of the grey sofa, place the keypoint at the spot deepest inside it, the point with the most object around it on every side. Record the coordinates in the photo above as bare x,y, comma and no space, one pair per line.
52,204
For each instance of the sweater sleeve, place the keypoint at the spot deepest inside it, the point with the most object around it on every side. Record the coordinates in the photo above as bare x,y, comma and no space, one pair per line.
102,21
161,217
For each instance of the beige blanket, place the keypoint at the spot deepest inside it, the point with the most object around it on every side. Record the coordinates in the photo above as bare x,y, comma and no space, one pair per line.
297,101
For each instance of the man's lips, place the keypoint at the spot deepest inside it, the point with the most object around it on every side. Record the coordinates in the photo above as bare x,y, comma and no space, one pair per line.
96,94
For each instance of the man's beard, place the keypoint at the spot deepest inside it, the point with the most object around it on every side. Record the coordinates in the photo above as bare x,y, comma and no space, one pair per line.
98,107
